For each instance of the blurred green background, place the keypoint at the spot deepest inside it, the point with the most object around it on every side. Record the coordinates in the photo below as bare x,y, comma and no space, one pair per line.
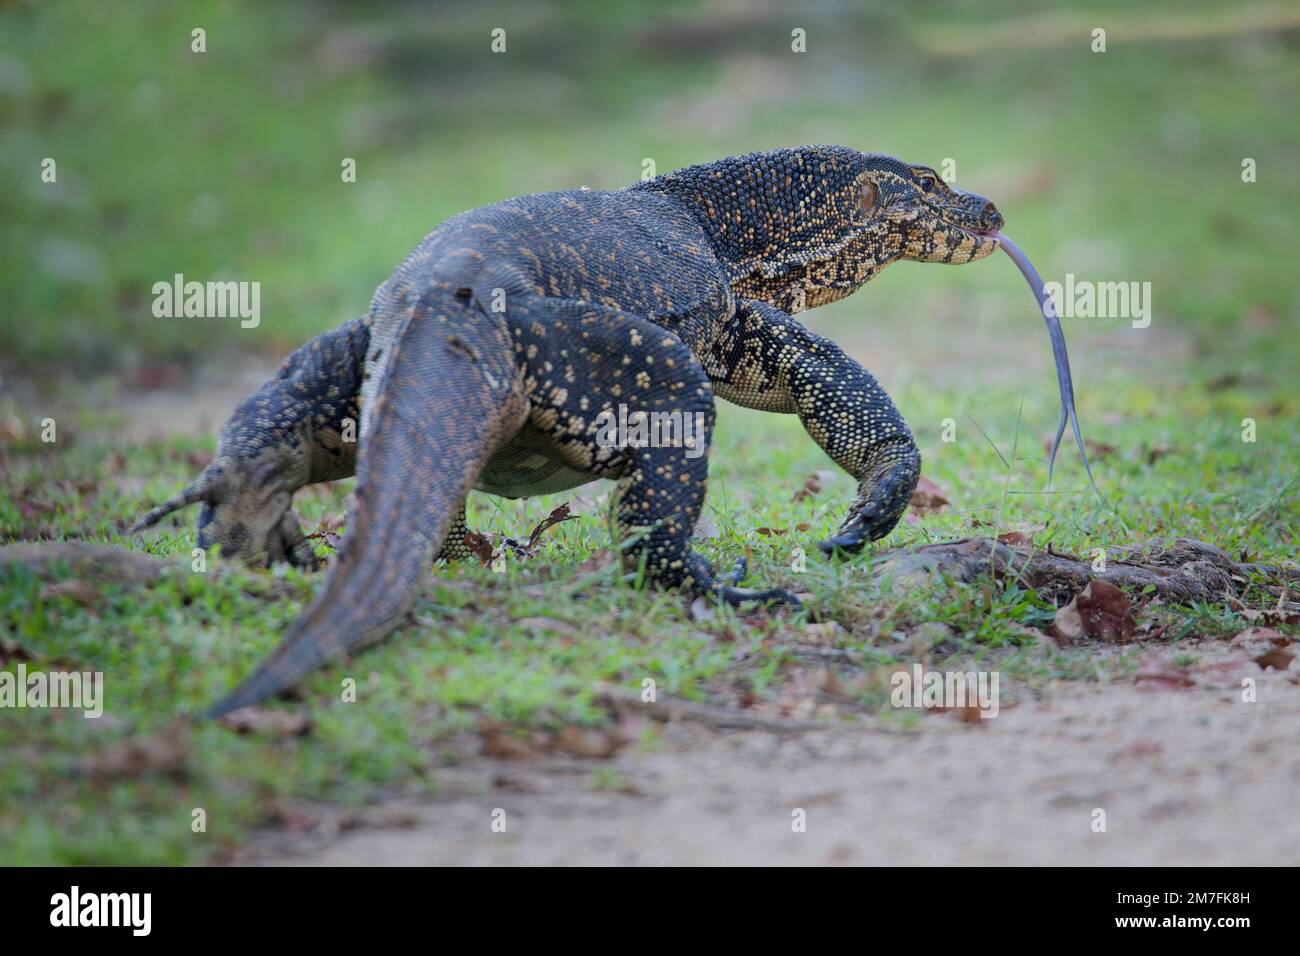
1120,165
1115,166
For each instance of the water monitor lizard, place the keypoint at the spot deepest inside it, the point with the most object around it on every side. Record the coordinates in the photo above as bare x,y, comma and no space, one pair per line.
487,357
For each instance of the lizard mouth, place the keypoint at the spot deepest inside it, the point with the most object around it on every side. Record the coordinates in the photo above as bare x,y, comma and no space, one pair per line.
982,242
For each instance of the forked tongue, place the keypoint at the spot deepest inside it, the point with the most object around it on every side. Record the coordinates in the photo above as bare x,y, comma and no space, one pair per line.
1063,379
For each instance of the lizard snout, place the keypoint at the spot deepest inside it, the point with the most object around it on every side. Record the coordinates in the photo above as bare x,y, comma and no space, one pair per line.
990,219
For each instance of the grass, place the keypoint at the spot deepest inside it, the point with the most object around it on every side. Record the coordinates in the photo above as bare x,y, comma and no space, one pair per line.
526,647
1116,166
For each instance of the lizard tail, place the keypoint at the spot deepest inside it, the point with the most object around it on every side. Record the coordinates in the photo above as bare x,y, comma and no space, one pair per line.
448,395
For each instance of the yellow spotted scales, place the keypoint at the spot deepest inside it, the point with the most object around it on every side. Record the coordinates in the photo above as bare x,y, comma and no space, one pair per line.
489,356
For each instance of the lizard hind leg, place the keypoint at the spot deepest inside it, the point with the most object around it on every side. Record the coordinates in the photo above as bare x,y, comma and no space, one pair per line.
449,394
631,402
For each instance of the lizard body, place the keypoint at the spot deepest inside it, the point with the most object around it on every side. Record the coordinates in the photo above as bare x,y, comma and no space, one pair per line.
496,345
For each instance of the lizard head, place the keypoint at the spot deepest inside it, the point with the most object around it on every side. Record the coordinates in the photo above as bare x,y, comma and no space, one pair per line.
934,222
244,506
802,227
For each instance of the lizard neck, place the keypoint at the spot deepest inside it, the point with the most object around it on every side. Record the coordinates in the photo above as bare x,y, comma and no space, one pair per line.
758,213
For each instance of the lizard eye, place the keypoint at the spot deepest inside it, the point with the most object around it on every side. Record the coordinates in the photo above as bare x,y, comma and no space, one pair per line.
925,183
870,198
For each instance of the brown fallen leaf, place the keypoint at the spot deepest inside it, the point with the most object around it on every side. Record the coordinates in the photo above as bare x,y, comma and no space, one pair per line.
812,485
480,545
928,498
600,742
558,516
1017,539
770,532
842,688
1254,634
1277,659
1162,674
166,751
597,743
1271,616
259,720
1102,612
507,743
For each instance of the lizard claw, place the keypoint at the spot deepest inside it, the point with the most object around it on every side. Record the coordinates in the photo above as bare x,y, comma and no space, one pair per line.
876,512
843,545
737,573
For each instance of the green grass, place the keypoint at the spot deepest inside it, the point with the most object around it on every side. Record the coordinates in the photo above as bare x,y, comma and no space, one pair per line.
168,649
1116,166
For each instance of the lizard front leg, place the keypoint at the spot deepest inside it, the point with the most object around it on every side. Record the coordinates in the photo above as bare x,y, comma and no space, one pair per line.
768,360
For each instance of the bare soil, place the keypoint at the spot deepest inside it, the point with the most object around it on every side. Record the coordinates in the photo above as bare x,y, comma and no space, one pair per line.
1186,776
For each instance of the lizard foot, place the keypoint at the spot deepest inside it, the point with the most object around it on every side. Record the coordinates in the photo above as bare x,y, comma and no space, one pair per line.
737,573
875,513
772,596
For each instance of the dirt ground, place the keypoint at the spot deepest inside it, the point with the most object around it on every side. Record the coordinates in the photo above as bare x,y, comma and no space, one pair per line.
1185,775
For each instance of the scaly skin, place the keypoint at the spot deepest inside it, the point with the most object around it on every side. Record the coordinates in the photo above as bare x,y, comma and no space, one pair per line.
560,306
291,432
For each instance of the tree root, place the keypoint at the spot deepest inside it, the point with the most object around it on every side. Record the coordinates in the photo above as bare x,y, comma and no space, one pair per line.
1181,570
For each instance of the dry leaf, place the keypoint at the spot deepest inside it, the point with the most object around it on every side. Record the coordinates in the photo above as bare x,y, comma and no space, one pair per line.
928,498
558,516
1155,673
812,485
598,743
507,743
846,690
480,546
1020,537
1102,612
1277,659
